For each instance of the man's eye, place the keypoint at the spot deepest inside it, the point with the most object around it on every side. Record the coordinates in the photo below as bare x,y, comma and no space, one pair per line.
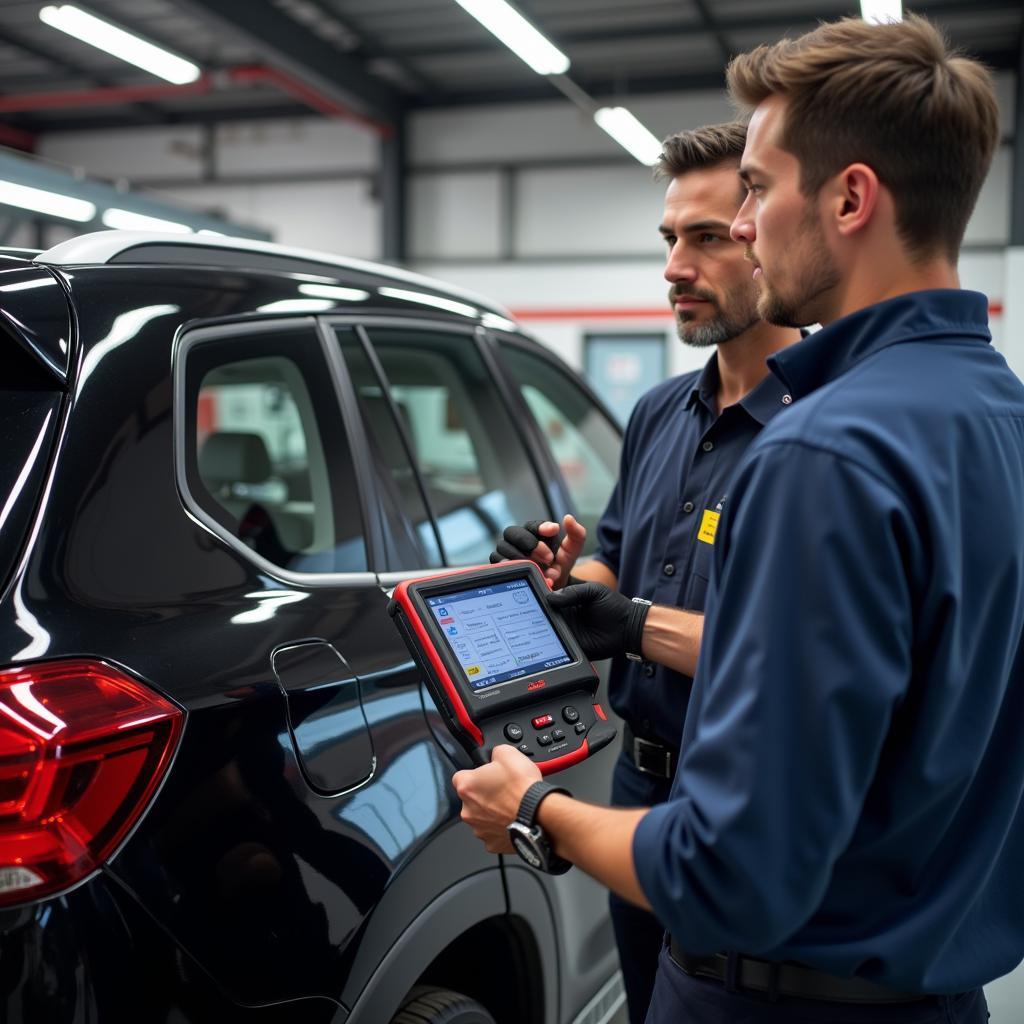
707,236
756,189
669,240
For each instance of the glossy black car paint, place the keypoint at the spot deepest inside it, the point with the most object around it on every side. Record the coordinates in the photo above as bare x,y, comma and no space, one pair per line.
260,884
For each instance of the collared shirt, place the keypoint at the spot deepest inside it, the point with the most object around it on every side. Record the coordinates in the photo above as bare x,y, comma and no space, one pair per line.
658,531
851,792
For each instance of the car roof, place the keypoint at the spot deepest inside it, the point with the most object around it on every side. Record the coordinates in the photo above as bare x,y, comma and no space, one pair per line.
107,247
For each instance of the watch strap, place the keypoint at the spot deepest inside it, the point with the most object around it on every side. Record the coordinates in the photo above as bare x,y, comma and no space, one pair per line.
531,800
635,627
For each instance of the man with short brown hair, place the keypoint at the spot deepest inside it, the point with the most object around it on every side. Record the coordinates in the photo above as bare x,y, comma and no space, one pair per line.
845,832
683,442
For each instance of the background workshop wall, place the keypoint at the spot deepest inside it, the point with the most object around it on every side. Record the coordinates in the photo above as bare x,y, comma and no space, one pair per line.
527,203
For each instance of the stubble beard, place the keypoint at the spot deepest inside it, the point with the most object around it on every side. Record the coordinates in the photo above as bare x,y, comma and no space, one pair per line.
739,316
817,275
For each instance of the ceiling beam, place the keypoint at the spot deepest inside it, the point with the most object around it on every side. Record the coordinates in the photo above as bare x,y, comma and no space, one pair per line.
282,41
711,25
371,47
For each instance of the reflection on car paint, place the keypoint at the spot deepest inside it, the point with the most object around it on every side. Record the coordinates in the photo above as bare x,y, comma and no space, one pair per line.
406,805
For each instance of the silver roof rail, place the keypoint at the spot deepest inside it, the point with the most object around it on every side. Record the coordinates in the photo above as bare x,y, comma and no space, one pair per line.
99,247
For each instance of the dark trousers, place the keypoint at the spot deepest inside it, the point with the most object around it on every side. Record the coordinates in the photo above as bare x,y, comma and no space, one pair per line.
638,934
681,999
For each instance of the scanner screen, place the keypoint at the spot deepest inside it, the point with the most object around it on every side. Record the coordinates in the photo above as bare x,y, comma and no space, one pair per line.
498,632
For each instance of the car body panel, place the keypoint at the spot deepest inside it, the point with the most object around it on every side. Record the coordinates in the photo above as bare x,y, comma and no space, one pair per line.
303,857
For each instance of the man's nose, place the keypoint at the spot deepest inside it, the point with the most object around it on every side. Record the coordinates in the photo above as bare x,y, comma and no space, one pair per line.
679,266
742,228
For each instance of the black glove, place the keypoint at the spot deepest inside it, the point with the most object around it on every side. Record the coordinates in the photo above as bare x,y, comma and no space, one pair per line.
519,542
605,622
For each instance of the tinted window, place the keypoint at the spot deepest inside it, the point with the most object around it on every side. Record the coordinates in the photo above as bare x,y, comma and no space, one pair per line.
266,453
475,471
582,439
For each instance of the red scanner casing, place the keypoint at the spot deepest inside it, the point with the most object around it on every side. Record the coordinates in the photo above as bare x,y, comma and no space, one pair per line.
563,698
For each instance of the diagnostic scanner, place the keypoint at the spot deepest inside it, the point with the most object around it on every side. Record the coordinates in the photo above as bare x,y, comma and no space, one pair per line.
501,664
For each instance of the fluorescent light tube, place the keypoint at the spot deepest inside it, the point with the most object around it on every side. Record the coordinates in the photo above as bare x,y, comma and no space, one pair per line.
115,41
880,11
629,133
518,35
52,203
128,220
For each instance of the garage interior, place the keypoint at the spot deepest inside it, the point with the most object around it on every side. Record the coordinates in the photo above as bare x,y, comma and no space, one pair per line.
404,132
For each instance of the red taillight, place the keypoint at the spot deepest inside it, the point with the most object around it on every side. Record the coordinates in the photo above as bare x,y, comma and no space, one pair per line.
82,749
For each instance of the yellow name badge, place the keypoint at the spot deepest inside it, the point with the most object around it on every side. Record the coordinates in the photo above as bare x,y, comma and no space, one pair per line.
709,526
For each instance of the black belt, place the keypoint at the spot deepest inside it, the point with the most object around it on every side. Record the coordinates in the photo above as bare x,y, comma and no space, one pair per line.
650,756
744,972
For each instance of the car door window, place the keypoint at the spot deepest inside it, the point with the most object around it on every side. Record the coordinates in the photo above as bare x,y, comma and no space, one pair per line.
475,471
267,459
583,441
410,533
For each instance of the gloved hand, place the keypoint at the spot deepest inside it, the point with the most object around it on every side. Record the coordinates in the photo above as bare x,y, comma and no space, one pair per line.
521,541
541,541
605,622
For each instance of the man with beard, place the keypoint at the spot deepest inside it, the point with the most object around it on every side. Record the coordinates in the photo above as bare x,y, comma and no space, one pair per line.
845,831
682,444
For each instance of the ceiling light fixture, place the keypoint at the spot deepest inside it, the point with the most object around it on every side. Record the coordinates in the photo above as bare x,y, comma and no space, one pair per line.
525,41
878,12
128,220
40,201
629,133
119,43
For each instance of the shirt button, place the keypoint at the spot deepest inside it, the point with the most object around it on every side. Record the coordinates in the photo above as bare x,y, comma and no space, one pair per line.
687,506
708,445
648,670
787,399
669,570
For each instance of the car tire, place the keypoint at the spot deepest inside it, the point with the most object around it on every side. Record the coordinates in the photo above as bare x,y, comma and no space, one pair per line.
427,1005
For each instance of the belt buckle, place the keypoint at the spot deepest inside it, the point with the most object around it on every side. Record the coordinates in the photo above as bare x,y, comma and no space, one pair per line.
643,749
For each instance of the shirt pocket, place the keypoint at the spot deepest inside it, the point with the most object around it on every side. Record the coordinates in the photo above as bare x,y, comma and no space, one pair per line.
697,587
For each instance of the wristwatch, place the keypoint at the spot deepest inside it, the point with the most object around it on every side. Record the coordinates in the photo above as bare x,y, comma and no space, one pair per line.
637,627
528,838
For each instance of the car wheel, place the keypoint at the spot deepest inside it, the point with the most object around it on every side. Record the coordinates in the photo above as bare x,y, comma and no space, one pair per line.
441,1006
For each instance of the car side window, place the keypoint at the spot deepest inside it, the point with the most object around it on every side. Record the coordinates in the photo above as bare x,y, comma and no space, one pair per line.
583,440
266,455
410,533
475,471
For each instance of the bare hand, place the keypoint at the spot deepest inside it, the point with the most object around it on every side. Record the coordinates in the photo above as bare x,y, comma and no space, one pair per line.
491,795
568,551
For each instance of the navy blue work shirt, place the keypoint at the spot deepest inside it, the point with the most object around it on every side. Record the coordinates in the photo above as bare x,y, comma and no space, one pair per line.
657,533
851,790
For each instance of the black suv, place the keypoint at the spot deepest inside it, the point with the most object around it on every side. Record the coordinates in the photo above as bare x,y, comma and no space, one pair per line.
224,792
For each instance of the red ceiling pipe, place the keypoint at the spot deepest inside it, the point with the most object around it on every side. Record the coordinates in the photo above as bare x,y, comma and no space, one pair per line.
109,95
245,75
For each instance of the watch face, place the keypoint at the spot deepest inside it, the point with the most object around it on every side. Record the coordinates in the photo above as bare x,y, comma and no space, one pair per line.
526,851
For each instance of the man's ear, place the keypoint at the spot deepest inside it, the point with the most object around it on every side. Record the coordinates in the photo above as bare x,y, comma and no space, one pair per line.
855,198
